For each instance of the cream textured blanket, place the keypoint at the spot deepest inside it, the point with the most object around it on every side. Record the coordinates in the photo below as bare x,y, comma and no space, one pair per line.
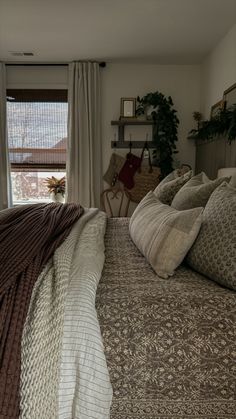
56,380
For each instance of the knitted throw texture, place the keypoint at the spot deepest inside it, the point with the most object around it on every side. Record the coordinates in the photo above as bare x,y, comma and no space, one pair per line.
29,235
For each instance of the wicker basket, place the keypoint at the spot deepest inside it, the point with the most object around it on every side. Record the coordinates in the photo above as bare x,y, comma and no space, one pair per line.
145,180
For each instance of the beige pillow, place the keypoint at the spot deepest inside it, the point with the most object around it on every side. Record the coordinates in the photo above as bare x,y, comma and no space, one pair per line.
170,185
163,234
214,252
196,192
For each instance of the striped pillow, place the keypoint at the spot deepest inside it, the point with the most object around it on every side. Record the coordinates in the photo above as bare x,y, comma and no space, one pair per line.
163,234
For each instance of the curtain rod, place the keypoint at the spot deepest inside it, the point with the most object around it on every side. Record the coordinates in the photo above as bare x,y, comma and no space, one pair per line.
101,64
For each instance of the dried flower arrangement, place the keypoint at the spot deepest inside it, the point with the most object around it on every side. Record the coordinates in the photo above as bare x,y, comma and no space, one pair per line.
56,185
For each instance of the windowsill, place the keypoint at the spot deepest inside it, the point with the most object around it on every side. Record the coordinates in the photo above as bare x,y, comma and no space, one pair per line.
31,201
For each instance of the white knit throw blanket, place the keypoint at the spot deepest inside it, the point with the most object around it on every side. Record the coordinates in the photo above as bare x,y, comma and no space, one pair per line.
43,336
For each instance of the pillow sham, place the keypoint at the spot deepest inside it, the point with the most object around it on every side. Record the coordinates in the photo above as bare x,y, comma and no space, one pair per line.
214,252
162,234
171,176
196,192
170,185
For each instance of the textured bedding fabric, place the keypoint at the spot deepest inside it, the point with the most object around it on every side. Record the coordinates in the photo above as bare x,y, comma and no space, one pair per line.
196,192
63,363
170,185
163,234
29,235
170,344
214,252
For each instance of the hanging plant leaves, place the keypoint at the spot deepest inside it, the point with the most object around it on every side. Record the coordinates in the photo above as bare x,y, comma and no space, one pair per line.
165,128
223,124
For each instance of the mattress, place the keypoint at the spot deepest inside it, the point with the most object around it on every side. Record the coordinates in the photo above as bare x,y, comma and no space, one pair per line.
170,345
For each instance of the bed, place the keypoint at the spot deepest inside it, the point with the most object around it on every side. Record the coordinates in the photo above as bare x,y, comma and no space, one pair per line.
105,337
170,345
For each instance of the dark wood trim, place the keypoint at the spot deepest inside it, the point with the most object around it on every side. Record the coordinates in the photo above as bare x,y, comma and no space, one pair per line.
134,144
132,122
16,167
121,143
229,90
37,150
37,95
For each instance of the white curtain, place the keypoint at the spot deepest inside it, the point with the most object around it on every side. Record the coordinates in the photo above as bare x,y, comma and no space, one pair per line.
84,161
5,192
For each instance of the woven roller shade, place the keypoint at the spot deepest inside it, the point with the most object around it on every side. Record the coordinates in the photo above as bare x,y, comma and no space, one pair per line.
37,128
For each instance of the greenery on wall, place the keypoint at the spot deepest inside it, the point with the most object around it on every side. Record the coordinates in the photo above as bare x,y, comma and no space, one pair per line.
223,124
165,128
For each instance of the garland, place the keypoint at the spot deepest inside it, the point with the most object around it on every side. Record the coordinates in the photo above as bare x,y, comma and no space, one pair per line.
224,123
164,130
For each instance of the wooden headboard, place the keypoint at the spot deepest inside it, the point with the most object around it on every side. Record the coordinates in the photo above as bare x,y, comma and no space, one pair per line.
218,153
213,155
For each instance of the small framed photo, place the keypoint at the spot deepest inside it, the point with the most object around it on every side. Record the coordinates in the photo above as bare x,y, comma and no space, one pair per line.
127,107
219,106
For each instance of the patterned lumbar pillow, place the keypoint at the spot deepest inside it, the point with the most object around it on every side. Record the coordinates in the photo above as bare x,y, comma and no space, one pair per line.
196,192
214,252
163,234
170,185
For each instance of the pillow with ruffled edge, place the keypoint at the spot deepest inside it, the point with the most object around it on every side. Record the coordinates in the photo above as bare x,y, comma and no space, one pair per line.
162,234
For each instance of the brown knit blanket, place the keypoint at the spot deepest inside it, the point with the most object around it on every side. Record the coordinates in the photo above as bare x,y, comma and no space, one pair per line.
28,237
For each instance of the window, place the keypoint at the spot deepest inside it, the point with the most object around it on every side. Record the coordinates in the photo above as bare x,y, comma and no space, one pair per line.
37,135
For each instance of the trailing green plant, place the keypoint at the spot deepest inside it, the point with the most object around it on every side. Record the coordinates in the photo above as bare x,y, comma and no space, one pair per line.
164,130
222,124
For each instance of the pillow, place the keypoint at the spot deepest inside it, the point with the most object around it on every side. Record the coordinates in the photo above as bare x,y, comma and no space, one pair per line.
196,192
214,252
170,185
163,234
171,176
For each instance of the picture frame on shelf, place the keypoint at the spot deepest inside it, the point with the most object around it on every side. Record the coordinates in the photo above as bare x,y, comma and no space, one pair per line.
127,107
230,96
218,106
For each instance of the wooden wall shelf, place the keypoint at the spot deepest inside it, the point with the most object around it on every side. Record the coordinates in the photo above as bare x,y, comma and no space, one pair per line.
121,143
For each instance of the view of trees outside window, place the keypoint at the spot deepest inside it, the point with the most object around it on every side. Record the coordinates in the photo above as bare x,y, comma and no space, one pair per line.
37,134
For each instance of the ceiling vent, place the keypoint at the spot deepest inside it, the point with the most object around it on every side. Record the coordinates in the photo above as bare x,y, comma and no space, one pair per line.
21,54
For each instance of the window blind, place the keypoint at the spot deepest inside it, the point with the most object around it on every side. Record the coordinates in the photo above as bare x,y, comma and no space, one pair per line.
37,128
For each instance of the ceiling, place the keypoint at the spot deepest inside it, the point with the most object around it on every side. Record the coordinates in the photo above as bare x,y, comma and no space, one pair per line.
152,31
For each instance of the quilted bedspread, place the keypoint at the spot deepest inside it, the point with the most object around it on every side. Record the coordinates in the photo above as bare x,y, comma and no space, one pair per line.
170,344
64,372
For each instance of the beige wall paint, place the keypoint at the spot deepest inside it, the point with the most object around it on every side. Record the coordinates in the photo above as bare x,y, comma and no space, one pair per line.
37,77
182,82
218,71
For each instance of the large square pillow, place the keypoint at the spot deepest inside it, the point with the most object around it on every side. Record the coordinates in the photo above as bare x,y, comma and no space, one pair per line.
170,185
162,234
196,192
214,252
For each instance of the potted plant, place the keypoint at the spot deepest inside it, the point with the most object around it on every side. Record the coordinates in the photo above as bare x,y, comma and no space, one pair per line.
160,110
56,188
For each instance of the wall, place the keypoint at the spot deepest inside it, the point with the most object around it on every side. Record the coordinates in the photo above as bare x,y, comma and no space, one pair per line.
37,77
130,80
127,80
218,71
